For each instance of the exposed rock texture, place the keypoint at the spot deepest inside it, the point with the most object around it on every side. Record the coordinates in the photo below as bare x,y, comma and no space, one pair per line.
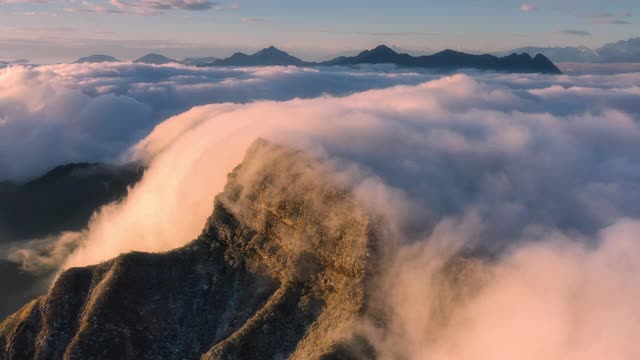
281,270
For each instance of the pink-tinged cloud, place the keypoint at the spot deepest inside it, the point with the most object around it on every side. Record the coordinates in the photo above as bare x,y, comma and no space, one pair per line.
528,7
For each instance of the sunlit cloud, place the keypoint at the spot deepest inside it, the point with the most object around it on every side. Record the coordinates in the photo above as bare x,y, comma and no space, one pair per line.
528,7
148,7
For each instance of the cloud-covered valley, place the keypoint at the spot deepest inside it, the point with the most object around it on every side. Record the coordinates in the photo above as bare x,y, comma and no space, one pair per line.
539,171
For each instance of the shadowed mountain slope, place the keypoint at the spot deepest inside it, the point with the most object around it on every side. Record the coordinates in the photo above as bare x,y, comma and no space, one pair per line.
281,270
61,200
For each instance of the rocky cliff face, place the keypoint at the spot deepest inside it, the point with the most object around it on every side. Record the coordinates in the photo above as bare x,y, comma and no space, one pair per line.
281,270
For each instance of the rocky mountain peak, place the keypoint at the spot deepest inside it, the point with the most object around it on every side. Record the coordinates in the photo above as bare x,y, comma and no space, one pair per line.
383,50
280,271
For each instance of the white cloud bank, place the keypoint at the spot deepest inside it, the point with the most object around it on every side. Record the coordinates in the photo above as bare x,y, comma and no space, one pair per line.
448,145
543,169
51,115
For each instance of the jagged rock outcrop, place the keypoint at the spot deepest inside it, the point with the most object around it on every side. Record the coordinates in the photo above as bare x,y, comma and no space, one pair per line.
281,270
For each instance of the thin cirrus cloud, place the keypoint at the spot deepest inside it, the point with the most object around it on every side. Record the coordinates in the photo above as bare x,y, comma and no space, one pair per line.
611,22
606,14
573,32
38,13
192,5
150,7
609,18
25,1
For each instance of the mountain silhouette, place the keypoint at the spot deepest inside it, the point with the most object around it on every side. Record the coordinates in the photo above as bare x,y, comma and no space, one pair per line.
446,60
270,56
98,58
155,59
451,60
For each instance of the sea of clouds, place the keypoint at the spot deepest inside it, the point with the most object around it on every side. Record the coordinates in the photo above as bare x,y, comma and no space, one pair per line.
541,170
56,114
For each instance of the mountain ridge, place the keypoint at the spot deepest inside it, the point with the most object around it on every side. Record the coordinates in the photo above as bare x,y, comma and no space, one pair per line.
288,266
63,199
444,60
382,54
280,270
155,59
270,56
95,59
615,52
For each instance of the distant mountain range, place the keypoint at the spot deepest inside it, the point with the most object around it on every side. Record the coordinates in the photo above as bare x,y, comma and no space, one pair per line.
625,51
265,57
98,58
199,60
618,52
451,60
444,60
155,59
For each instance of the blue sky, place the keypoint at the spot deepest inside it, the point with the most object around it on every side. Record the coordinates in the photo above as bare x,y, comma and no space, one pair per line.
61,30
